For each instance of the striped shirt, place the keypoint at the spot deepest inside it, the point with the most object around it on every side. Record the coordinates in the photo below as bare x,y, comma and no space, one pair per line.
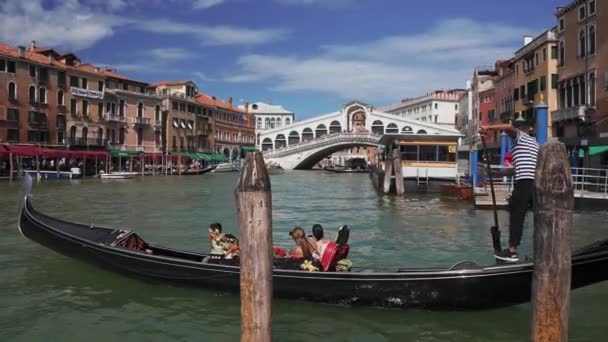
524,156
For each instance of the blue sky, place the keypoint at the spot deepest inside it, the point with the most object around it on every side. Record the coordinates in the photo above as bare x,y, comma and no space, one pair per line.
308,55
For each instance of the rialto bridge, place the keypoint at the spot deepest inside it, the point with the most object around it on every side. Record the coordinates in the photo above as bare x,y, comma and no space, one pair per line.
305,143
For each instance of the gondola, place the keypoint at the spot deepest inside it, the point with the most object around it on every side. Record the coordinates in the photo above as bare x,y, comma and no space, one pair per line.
194,172
464,285
345,170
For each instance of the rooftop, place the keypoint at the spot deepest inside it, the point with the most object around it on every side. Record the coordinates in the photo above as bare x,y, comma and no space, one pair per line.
265,108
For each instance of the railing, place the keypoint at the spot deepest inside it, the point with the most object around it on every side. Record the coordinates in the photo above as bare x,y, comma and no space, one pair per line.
140,121
114,117
590,183
81,141
577,112
326,140
38,124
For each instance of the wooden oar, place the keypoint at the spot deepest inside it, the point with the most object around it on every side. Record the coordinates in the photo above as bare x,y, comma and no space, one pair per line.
495,230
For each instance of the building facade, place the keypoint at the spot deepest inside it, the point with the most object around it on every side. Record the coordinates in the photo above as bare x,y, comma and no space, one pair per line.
504,85
269,116
487,112
536,76
439,107
235,129
582,115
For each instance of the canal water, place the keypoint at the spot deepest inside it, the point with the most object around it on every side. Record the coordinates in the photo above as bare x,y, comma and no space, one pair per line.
47,297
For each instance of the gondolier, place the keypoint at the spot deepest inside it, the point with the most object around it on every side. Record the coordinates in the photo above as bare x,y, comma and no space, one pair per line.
524,156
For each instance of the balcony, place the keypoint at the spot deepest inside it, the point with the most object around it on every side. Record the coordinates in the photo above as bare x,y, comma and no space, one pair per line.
576,112
115,118
140,121
202,131
38,124
82,141
157,123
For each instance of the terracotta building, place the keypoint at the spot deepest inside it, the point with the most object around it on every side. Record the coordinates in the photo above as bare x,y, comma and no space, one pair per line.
487,112
536,75
504,85
235,129
582,115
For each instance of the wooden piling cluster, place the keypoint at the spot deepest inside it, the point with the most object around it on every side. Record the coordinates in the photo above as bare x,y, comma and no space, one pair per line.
254,209
554,203
392,166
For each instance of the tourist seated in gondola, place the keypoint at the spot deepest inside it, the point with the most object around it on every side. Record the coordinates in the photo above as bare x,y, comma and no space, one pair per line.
319,239
226,246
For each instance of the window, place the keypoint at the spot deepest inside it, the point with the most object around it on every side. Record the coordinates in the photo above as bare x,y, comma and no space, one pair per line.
182,107
73,108
12,91
592,82
85,107
60,97
436,105
543,83
12,114
32,94
121,107
427,153
42,95
562,54
591,40
553,51
582,13
43,74
174,105
73,81
157,113
11,67
456,107
140,136
582,46
125,86
544,54
491,114
85,83
409,152
12,135
562,24
121,136
61,78
100,109
32,70
591,7
2,65
100,85
553,81
140,109
536,58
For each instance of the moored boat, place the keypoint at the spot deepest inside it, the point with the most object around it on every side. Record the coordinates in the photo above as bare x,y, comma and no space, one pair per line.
464,285
460,191
193,172
118,175
225,167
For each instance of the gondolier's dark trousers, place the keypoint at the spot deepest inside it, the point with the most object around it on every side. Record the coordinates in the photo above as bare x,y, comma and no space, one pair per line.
521,198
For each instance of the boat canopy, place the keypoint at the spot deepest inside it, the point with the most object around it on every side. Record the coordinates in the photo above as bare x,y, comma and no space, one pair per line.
201,156
32,151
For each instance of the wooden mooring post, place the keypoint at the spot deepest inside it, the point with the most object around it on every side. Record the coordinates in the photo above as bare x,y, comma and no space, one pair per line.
254,209
554,203
393,166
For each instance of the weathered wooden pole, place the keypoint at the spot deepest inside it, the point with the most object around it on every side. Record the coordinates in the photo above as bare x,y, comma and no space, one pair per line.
10,163
554,202
388,170
254,209
396,159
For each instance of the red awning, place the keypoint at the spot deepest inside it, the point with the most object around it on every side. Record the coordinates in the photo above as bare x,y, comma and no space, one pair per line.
159,156
87,154
3,151
32,151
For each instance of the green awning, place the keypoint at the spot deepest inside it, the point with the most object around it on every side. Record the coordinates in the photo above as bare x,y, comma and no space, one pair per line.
593,150
249,148
219,157
115,153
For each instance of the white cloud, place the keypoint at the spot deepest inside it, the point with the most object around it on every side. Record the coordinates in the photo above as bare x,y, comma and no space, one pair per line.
203,76
75,25
389,68
169,54
204,4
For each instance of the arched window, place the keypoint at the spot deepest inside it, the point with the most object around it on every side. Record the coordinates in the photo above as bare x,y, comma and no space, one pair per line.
562,53
287,122
267,123
582,46
121,107
392,129
157,113
278,122
85,135
591,40
421,131
320,131
73,135
272,122
140,110
377,127
32,93
258,141
407,130
294,138
335,127
12,90
307,134
259,122
100,136
280,141
592,82
267,144
60,98
42,94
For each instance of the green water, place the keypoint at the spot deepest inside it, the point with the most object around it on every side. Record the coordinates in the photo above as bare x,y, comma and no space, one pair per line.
47,297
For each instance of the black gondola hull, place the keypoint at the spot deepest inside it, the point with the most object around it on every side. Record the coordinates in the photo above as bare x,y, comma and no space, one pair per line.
469,288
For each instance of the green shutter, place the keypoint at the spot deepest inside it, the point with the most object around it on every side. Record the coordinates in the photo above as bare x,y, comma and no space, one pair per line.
543,83
553,81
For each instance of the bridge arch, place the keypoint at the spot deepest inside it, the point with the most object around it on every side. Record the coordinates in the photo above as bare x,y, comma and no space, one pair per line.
335,127
294,138
280,141
421,131
392,128
407,130
320,131
307,134
378,127
267,144
315,157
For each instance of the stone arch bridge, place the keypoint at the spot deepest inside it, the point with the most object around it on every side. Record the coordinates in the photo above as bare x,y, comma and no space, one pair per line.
305,143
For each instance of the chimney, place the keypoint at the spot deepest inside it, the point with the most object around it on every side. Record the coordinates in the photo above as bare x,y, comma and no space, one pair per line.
97,69
21,51
527,40
230,100
246,106
51,58
32,45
